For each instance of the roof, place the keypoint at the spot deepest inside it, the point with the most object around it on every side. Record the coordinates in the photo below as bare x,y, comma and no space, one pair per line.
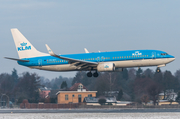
52,94
75,92
75,87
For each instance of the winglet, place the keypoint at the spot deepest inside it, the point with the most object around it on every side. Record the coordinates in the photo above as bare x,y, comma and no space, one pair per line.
49,50
86,51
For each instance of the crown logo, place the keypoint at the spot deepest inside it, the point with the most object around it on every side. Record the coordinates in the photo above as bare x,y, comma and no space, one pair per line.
106,66
23,44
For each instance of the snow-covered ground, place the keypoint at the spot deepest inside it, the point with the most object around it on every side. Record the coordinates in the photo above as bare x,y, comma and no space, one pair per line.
169,115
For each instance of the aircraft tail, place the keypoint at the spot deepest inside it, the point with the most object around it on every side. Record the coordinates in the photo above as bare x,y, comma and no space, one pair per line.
24,48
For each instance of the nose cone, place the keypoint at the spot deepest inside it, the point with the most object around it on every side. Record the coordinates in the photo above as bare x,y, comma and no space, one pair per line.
172,59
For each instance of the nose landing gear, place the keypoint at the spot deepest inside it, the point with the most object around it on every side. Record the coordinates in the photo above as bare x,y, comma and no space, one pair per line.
158,70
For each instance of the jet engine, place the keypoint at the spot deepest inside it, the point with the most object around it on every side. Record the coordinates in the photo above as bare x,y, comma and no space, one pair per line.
102,67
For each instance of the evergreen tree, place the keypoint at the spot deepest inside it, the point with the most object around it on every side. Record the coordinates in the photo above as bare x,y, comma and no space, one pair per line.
120,94
63,85
125,74
139,72
178,98
15,76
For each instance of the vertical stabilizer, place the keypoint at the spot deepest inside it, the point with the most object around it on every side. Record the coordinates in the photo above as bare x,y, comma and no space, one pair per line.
24,48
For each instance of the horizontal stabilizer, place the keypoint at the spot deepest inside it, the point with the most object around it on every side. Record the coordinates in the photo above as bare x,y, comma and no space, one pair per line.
17,59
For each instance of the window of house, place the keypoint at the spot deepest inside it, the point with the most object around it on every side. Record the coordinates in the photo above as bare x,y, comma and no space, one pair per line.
66,97
89,95
80,86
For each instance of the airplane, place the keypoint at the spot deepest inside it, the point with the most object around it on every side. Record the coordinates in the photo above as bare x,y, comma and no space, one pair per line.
92,62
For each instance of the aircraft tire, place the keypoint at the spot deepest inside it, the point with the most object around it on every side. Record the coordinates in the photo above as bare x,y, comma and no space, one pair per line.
95,74
89,74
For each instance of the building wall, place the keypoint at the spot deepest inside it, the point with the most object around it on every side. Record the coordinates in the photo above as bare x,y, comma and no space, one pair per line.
167,103
71,99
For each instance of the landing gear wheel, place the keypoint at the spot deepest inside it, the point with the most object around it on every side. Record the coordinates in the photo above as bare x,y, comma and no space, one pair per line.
89,74
158,70
95,74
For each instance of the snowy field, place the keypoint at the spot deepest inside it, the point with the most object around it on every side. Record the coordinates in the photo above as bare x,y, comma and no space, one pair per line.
162,115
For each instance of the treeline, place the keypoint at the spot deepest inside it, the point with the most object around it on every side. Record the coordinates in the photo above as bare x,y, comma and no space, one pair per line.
26,86
135,85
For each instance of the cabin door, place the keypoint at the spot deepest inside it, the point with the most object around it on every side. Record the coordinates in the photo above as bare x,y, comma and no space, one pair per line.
40,62
153,55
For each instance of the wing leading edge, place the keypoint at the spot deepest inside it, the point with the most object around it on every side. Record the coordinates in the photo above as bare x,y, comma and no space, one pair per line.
80,64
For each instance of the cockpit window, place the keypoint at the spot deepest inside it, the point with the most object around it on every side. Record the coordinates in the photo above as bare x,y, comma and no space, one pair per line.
164,54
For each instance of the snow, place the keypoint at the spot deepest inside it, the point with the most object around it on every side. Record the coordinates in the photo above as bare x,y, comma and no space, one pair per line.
169,115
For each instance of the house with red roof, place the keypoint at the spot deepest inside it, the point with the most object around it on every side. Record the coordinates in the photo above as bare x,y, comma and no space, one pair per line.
75,94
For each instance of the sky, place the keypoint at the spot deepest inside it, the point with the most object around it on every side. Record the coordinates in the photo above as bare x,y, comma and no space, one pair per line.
69,26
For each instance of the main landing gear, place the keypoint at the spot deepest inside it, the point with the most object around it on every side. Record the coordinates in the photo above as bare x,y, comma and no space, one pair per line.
95,74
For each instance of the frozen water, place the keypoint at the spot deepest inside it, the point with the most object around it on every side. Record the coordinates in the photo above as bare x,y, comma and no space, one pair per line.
162,115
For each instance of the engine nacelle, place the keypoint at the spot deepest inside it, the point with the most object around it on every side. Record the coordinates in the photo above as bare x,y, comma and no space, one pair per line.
102,67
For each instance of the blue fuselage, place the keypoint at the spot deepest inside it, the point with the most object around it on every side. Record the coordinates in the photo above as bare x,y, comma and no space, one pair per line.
98,57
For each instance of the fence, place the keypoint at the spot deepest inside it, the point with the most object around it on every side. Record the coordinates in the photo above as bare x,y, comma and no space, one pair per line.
131,106
82,105
47,106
